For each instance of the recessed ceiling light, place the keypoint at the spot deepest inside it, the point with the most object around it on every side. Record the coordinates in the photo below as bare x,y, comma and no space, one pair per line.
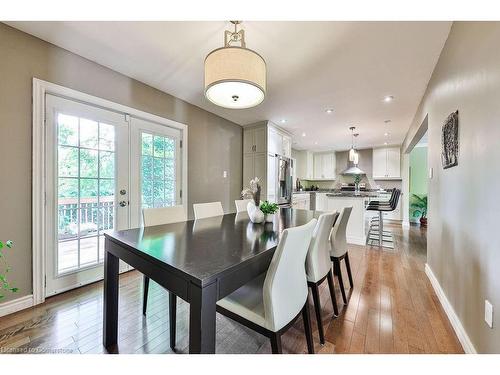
303,134
316,142
387,121
388,98
283,121
385,143
386,134
329,110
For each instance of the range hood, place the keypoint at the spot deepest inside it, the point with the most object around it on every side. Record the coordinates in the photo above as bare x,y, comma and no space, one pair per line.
352,170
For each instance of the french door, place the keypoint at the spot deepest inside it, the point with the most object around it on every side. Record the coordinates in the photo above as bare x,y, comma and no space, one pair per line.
102,168
87,183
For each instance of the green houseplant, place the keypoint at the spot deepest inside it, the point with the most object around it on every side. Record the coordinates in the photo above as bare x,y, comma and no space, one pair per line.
268,209
418,203
5,285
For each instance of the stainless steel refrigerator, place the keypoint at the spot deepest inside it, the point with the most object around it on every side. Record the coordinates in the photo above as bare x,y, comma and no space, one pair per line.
280,187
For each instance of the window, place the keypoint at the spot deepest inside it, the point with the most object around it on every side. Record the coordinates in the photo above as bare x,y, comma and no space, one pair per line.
158,170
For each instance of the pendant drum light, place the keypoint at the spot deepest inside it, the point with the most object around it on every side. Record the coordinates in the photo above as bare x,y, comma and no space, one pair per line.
355,161
235,76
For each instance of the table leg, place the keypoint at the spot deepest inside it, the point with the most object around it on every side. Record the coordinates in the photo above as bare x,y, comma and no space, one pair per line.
110,325
202,318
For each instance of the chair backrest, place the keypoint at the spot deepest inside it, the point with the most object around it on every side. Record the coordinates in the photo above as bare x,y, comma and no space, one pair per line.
241,204
202,210
285,286
394,204
163,215
338,237
318,261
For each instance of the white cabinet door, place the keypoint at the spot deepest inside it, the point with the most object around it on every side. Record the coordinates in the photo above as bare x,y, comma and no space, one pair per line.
379,163
259,138
286,146
309,165
274,142
272,174
329,165
318,166
393,162
321,201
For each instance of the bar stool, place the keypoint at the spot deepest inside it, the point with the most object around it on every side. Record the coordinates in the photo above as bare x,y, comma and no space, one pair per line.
376,232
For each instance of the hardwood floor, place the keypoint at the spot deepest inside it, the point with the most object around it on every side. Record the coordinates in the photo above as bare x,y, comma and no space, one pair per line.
392,309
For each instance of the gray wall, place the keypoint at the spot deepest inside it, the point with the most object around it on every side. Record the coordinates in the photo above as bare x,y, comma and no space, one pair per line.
215,144
463,247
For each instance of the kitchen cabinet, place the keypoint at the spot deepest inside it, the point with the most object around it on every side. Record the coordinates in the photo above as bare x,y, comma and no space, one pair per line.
255,165
301,201
324,165
321,202
261,142
279,143
254,140
386,163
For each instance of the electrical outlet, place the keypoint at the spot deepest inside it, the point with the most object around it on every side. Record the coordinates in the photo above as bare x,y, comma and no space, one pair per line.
224,174
431,173
488,313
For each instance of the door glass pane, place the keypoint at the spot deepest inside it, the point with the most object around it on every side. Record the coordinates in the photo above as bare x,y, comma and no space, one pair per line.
158,175
86,191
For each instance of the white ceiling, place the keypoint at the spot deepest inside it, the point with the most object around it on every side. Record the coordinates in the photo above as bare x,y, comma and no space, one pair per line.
312,66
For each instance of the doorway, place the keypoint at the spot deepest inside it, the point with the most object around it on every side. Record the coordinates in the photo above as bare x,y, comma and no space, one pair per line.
102,164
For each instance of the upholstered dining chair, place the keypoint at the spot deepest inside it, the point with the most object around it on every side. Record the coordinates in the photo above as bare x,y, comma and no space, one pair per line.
203,210
339,249
319,266
241,204
271,303
161,216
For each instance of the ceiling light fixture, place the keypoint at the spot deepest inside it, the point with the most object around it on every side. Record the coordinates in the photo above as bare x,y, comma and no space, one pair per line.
386,134
356,154
385,143
388,98
352,151
303,134
329,110
283,121
235,76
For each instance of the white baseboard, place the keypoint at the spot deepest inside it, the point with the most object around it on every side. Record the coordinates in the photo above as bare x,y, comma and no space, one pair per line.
450,312
406,224
15,305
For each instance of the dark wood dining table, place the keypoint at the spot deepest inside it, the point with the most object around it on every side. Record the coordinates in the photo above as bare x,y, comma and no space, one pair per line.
200,261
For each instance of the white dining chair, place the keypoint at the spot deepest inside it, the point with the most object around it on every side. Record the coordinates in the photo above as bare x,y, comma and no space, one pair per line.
241,204
339,251
271,303
161,216
319,266
203,210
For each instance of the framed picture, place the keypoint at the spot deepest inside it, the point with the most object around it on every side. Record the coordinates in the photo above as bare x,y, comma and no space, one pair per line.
449,140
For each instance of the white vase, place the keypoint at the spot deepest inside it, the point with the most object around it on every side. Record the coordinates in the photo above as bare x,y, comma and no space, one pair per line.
254,213
269,218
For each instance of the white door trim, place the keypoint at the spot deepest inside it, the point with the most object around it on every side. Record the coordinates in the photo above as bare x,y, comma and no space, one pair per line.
39,233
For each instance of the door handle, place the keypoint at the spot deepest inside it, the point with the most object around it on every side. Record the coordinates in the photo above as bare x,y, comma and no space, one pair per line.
123,203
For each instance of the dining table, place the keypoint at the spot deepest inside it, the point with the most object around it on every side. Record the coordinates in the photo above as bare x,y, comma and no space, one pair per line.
199,261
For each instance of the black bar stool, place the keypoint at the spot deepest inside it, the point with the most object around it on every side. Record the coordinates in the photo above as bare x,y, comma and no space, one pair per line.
376,232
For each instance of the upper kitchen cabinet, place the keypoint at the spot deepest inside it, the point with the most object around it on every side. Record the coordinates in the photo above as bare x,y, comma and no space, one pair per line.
324,166
279,142
386,163
255,140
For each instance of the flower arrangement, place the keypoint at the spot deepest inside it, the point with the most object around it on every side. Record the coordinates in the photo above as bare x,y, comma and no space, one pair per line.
4,270
253,191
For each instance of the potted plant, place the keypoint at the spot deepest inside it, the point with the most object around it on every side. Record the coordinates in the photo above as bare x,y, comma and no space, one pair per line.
419,206
269,209
4,270
253,207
